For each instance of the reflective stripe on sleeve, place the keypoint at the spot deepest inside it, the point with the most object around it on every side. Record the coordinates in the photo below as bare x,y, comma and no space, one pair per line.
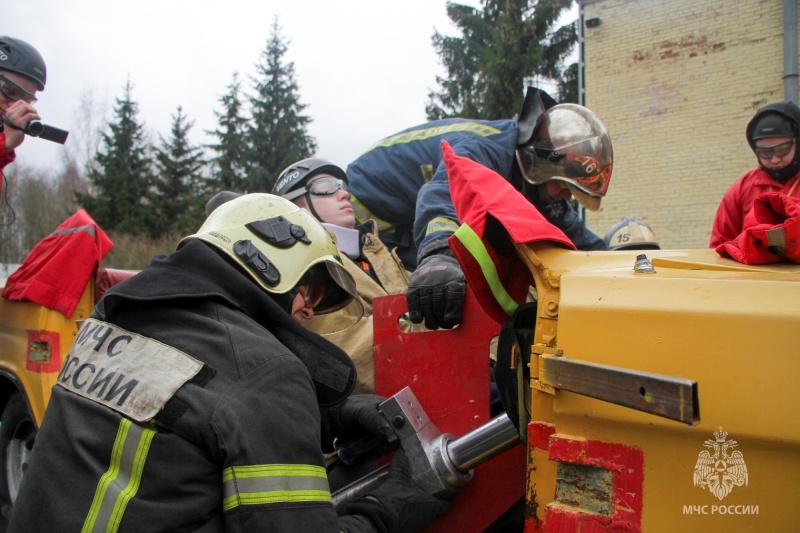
441,224
266,484
122,479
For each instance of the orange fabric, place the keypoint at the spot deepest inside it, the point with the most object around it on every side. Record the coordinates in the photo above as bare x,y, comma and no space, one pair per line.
771,232
55,273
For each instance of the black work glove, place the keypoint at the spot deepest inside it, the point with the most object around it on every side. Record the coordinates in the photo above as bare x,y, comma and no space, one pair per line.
407,507
436,292
358,414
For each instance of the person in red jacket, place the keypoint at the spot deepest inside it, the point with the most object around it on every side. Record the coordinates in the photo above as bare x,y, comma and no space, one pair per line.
22,73
772,135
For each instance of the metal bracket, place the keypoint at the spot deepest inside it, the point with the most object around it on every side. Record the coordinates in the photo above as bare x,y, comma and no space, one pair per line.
666,396
424,444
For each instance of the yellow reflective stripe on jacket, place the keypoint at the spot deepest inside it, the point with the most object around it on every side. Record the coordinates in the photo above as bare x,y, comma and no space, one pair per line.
426,133
441,224
122,479
264,484
477,250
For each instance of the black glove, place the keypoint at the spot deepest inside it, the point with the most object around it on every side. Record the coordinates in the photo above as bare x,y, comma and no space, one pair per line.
359,413
436,292
409,507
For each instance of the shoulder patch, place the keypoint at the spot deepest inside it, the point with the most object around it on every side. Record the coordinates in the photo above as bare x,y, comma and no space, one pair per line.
127,372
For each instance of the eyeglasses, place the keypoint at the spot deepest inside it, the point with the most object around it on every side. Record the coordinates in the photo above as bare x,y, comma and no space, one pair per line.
312,293
14,92
326,186
768,152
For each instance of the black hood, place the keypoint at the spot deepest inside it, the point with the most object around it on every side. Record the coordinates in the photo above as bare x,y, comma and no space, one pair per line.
791,112
785,109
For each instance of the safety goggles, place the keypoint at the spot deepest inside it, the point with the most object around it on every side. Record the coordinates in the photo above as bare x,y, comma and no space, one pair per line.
14,92
768,152
326,186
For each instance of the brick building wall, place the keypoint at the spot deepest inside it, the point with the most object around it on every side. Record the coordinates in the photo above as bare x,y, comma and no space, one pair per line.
675,82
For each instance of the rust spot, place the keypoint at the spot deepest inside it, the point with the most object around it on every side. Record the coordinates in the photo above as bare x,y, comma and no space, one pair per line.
532,506
587,488
40,351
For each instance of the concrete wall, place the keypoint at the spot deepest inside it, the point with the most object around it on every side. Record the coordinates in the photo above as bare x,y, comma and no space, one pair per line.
675,82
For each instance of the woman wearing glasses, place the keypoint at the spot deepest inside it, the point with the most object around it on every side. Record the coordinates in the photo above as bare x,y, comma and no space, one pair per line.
772,134
321,187
22,73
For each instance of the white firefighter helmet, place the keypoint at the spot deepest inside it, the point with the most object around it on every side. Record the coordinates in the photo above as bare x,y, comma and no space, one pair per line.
282,246
570,145
631,233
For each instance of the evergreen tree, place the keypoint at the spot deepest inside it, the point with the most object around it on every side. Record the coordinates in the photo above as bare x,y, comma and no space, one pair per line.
180,191
502,47
230,165
277,134
568,84
121,177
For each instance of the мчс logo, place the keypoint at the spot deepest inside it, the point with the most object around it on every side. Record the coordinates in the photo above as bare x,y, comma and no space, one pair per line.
719,468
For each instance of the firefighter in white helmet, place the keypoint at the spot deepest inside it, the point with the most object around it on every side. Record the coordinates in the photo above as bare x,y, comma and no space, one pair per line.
193,400
631,233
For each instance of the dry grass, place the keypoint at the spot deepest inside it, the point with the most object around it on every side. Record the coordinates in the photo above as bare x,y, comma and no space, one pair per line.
135,252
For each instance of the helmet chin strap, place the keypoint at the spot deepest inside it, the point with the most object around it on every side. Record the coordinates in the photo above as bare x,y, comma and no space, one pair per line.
310,203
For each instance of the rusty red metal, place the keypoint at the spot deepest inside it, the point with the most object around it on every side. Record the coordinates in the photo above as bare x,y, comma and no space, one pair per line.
571,508
448,371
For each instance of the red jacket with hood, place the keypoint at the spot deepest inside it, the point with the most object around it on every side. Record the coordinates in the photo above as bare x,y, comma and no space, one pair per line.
738,199
738,202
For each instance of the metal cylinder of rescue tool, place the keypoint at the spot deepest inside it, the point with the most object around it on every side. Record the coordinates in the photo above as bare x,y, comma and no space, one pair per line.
483,443
464,453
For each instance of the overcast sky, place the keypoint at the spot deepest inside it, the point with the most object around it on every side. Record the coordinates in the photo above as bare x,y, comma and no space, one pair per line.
364,67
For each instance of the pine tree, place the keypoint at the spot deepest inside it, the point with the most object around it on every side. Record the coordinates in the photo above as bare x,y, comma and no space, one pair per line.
230,165
179,193
502,48
277,134
121,177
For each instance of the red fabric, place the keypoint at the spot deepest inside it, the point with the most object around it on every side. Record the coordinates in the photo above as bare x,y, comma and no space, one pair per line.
481,196
772,212
56,271
738,201
107,278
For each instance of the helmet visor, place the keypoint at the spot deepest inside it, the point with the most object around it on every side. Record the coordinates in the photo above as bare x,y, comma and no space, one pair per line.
337,305
586,165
